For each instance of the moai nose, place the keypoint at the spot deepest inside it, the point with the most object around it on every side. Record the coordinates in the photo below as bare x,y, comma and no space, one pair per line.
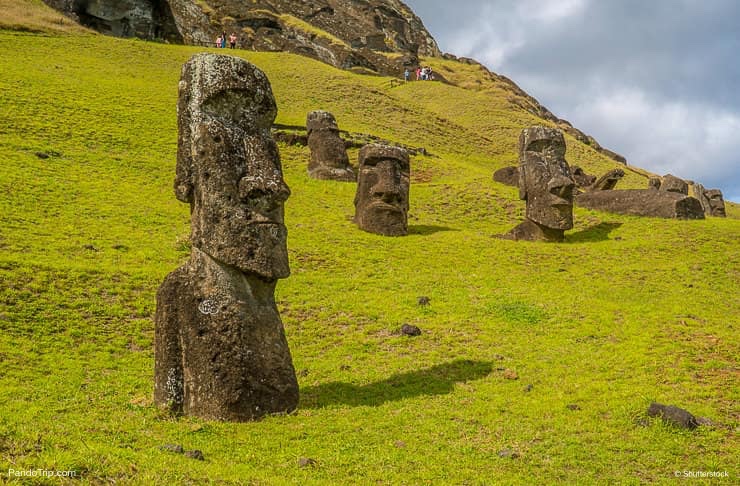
388,187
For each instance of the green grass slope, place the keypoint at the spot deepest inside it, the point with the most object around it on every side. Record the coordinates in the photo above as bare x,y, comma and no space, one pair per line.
626,311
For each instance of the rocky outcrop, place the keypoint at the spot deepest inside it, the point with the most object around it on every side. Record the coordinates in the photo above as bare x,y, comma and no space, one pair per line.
145,19
363,34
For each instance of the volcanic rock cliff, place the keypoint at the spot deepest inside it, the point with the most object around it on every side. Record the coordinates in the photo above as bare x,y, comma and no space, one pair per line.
366,36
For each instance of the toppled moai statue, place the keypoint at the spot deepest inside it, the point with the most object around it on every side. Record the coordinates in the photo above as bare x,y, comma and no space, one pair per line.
382,198
643,202
582,179
711,200
507,175
220,347
329,159
672,183
608,181
654,183
545,182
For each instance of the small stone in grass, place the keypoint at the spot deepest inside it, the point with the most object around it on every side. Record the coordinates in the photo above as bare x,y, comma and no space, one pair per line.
195,454
306,462
510,374
510,453
176,448
410,330
673,415
573,406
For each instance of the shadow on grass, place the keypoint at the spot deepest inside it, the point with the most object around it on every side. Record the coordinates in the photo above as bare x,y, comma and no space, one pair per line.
437,380
425,230
599,232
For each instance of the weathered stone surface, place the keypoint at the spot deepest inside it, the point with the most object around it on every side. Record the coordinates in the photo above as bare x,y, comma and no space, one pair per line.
382,198
643,202
146,19
355,34
673,415
507,175
220,347
582,179
329,160
654,183
711,200
608,181
672,183
410,330
546,183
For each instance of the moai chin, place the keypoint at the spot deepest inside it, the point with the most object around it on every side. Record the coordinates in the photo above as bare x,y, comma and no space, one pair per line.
329,159
382,198
546,184
220,348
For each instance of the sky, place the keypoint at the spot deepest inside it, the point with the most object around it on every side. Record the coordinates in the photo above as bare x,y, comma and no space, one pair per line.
657,81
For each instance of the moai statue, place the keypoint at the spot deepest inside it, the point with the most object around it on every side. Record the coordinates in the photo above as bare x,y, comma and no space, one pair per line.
382,198
545,182
329,160
582,179
608,181
654,183
711,200
220,347
672,183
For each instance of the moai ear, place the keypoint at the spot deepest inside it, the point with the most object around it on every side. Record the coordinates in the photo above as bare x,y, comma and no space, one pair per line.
184,168
522,183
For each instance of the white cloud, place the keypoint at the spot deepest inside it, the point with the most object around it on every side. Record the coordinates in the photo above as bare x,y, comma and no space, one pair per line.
690,140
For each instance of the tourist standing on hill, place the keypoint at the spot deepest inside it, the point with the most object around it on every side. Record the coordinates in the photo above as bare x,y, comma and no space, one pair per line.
218,41
406,75
223,39
232,40
418,73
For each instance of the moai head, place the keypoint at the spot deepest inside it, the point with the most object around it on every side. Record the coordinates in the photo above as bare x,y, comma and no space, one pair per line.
228,166
672,183
382,199
716,203
545,181
329,160
654,183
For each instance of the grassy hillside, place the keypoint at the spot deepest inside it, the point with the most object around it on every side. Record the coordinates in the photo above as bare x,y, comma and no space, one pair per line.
626,311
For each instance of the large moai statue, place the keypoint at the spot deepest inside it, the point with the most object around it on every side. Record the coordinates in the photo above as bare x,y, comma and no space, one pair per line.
546,184
329,159
711,200
220,347
382,198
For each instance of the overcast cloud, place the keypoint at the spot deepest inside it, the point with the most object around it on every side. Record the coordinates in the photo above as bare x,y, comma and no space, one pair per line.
657,81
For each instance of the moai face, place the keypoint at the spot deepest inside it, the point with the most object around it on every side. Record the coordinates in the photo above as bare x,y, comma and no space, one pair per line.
228,166
716,203
382,199
545,181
